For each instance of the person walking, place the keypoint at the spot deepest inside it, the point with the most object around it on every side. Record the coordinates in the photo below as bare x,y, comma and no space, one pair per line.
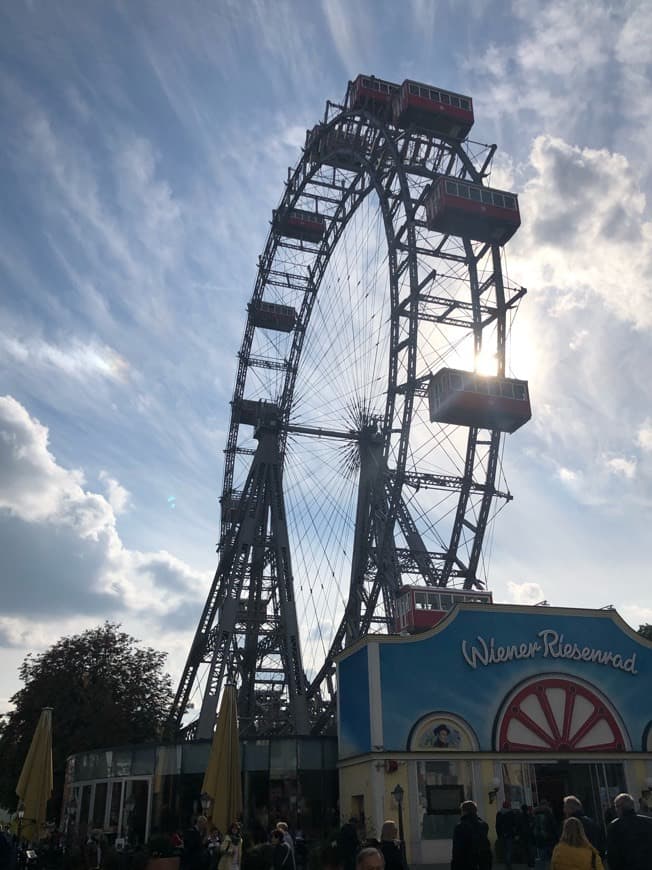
573,810
287,839
574,851
545,834
506,830
348,844
231,849
629,837
281,852
195,854
526,834
390,847
471,848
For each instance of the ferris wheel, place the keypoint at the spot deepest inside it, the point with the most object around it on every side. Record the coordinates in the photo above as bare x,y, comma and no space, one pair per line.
365,436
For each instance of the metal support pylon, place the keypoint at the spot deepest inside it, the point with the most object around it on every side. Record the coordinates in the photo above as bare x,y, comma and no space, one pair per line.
249,630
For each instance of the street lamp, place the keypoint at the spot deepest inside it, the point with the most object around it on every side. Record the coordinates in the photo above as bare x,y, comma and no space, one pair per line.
130,806
71,812
21,815
398,794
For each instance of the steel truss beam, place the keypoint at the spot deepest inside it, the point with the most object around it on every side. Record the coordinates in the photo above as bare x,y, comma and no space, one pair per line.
254,611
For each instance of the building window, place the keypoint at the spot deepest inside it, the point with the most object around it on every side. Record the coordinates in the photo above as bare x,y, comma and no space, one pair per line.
443,785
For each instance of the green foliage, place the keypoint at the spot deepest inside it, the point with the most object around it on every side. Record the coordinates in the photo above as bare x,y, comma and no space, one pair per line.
104,690
645,631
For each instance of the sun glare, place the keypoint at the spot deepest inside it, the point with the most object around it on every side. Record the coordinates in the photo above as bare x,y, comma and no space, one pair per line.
486,363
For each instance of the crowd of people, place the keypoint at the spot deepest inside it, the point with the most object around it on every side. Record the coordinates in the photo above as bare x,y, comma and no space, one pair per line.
353,853
578,845
531,834
202,848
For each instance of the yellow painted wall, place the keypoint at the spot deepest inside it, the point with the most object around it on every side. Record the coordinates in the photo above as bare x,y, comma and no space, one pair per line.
369,778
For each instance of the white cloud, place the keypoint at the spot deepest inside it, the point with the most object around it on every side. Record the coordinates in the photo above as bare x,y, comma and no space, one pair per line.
52,529
635,615
116,494
621,466
567,475
77,359
644,436
525,593
585,232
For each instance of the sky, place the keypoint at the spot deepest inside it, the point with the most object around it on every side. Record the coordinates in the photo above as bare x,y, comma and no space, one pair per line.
144,146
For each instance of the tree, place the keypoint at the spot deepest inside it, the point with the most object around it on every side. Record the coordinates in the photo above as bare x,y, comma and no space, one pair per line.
104,690
645,631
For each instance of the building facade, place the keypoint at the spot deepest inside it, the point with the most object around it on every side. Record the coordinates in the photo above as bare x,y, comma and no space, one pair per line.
494,703
130,793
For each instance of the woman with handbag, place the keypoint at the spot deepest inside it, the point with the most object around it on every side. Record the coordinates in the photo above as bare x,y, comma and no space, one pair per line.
231,849
574,852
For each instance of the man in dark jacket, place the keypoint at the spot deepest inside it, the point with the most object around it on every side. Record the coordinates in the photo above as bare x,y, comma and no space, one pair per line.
507,823
629,837
281,854
526,834
471,849
195,854
573,809
348,844
390,847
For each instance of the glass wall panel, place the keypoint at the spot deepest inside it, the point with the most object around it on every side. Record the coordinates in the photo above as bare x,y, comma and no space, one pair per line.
168,760
195,757
256,754
114,807
330,754
143,760
99,805
91,765
84,807
283,756
122,762
138,789
310,755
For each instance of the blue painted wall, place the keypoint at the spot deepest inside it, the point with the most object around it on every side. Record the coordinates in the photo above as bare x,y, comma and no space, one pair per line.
353,684
431,673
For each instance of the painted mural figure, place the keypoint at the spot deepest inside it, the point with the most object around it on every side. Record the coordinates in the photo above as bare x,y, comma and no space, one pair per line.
471,848
442,737
629,837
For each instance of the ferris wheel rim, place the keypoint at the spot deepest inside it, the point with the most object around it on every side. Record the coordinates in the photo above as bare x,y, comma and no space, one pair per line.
325,252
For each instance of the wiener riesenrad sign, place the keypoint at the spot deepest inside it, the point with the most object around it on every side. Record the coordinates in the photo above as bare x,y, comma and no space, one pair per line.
547,644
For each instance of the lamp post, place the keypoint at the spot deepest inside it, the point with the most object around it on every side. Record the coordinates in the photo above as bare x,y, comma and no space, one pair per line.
398,794
71,813
21,815
130,806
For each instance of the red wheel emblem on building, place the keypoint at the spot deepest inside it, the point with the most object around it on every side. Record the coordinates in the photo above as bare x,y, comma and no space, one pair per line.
561,715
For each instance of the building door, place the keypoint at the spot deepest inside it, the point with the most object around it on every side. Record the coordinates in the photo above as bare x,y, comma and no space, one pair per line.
595,784
552,785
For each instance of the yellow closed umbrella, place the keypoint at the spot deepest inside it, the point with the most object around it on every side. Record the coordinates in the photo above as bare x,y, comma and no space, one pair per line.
35,784
222,780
